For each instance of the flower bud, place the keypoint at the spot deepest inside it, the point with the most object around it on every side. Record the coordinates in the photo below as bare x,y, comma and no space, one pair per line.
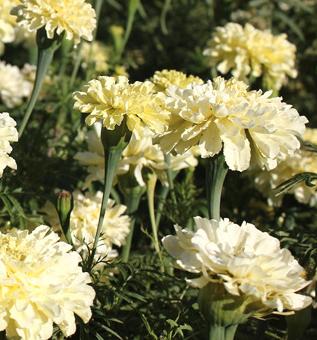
64,207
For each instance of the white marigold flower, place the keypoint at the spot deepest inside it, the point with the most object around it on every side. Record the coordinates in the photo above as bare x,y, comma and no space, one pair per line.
247,51
95,53
139,156
7,23
247,261
8,133
75,18
302,161
225,115
166,78
41,284
84,220
10,32
14,86
110,100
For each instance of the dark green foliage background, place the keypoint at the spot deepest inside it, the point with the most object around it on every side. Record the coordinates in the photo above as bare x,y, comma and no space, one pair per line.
139,302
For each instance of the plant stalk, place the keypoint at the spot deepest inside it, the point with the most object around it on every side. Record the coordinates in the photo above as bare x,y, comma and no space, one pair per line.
46,50
216,171
170,177
218,332
112,158
132,200
151,184
162,195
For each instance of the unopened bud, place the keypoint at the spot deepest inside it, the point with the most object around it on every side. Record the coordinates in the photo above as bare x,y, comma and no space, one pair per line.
64,207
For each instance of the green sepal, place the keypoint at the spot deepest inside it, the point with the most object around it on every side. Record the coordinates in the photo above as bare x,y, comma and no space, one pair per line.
224,311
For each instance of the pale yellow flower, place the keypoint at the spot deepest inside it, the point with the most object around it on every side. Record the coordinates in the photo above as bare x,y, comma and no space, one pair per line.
111,100
248,262
7,23
8,133
224,115
247,51
139,156
93,158
165,78
302,161
14,86
96,53
75,18
10,32
84,220
41,284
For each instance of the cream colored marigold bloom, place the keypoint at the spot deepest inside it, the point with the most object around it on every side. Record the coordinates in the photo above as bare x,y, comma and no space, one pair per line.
75,18
224,115
8,133
247,261
140,156
14,86
84,220
7,23
302,161
95,53
41,284
110,100
166,78
247,51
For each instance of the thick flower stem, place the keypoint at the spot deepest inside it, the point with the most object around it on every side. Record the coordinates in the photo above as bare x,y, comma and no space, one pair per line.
150,197
161,199
112,158
216,170
218,332
132,200
170,177
231,331
46,50
166,189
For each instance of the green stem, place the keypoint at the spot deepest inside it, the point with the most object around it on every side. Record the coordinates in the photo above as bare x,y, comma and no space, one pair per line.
76,66
218,332
166,189
161,200
151,184
216,170
132,8
132,200
98,6
112,158
166,7
170,177
231,331
46,50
